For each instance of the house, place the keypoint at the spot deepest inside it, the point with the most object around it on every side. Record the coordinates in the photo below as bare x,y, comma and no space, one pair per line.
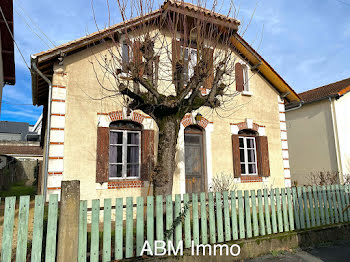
318,132
87,135
7,57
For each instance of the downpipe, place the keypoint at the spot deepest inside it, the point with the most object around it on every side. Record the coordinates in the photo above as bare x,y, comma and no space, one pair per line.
35,69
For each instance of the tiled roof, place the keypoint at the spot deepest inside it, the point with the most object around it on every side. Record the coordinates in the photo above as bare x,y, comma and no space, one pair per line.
334,89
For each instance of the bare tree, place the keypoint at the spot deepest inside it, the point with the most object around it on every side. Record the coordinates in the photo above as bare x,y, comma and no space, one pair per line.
169,63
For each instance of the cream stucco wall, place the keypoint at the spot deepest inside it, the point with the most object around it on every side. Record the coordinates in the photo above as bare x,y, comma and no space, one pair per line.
311,141
342,109
81,119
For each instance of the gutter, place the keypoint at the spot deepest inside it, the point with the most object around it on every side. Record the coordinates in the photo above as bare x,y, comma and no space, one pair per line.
34,70
301,102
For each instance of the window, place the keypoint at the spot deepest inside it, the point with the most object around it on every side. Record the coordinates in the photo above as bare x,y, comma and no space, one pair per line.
245,78
190,59
124,150
247,151
125,56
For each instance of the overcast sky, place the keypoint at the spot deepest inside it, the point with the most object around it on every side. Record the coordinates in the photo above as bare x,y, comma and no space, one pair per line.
305,41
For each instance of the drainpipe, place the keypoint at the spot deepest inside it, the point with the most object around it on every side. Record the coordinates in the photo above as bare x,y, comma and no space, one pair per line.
47,142
336,138
295,108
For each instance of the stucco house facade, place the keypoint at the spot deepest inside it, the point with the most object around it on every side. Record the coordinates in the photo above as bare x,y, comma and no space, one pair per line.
318,132
85,133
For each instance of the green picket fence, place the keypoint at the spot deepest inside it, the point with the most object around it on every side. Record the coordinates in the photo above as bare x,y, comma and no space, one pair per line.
204,218
119,231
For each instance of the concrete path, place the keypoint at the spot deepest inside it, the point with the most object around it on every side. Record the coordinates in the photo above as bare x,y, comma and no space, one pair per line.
339,251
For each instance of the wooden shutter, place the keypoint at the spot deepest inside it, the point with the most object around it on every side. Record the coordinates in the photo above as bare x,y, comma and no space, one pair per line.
209,58
239,77
236,156
147,154
137,57
176,57
262,152
102,158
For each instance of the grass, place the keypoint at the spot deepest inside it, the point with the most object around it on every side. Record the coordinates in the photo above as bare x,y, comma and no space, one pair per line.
19,190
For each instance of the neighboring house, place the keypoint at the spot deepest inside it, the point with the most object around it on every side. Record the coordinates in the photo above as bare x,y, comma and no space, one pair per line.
319,132
7,59
83,130
20,153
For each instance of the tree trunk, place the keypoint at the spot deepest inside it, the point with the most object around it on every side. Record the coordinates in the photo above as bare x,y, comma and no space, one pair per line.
165,168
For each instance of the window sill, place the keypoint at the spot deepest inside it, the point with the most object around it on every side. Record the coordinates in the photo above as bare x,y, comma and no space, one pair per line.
125,184
251,178
247,93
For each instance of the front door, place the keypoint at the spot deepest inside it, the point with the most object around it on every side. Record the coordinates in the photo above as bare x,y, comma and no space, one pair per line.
194,160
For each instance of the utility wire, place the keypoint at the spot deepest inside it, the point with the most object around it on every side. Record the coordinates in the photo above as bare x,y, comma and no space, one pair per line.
8,27
35,24
345,3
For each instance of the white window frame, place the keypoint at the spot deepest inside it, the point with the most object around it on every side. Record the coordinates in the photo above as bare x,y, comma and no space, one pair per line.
245,148
189,58
124,156
245,69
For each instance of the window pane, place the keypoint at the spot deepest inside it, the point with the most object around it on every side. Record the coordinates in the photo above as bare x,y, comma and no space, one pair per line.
252,168
115,154
133,154
251,155
116,138
125,53
115,170
241,153
250,142
132,170
192,139
241,143
243,168
133,138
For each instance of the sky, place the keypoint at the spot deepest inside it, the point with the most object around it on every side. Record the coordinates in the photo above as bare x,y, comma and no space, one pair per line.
305,41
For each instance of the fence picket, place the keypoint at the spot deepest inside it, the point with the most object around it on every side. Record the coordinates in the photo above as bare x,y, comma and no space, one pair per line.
234,216
321,202
267,212
129,230
204,224
195,219
325,204
347,198
339,203
312,209
95,219
7,233
211,219
220,229
187,224
248,219
226,216
159,218
169,218
330,204
343,204
273,211
290,209
296,209
301,208
336,216
118,246
279,211
306,208
50,252
38,229
317,205
254,214
107,213
22,234
140,233
82,245
178,226
284,210
241,215
261,214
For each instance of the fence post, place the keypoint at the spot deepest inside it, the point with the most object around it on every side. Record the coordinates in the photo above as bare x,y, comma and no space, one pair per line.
67,248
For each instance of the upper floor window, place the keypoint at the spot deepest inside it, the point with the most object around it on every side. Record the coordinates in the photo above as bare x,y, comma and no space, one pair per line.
190,61
247,150
245,78
242,77
125,56
124,150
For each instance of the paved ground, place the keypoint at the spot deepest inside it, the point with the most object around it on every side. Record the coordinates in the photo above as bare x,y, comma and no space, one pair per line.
339,251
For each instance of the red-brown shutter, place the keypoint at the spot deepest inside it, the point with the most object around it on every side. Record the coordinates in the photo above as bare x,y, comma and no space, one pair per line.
147,154
209,58
176,53
236,156
102,158
137,57
239,77
262,152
